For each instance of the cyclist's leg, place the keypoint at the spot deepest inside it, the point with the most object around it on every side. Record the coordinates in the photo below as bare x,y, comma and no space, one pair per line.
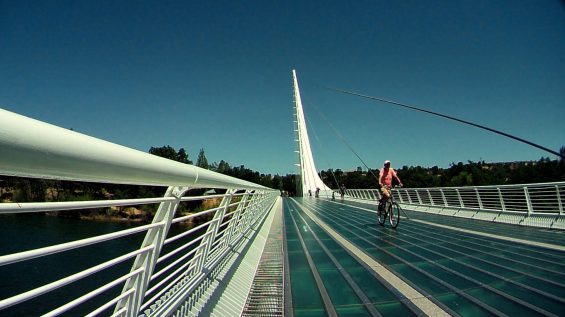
384,197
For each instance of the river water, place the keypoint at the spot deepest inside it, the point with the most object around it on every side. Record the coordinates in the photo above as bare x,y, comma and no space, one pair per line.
26,232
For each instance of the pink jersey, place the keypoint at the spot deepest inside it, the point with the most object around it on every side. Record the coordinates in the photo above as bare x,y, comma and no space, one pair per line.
386,175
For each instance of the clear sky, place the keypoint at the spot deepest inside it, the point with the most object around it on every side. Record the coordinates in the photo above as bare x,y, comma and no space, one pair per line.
217,75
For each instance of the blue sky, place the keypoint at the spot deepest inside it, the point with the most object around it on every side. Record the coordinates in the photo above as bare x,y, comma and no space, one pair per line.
217,75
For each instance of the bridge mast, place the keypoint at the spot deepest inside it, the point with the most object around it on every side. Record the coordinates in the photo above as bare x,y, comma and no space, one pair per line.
309,178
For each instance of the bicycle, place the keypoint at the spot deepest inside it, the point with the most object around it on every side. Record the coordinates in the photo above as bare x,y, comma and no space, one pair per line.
392,209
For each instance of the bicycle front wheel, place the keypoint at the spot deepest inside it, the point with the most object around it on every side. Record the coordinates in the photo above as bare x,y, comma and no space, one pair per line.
394,212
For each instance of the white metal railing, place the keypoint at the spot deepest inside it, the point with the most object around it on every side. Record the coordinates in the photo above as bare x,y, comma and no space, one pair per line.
160,278
527,199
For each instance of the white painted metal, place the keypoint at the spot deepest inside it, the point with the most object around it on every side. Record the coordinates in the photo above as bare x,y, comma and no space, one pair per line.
30,148
40,150
147,261
542,200
309,178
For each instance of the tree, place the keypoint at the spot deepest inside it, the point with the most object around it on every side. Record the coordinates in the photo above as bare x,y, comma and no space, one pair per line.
170,153
202,161
182,156
223,167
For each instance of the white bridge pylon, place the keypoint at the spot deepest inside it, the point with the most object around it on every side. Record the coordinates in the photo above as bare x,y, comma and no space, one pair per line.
310,181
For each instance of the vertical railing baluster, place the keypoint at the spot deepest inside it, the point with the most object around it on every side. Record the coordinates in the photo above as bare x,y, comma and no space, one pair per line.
528,201
461,204
230,230
559,203
212,231
479,198
443,197
245,219
431,198
154,237
501,198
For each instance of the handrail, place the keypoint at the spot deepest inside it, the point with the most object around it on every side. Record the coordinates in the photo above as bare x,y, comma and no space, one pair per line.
522,200
30,148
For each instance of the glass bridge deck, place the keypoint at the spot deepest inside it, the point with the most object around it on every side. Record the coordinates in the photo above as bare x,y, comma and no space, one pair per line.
463,267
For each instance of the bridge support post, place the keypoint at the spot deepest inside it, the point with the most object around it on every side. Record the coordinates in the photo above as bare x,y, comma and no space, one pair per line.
155,238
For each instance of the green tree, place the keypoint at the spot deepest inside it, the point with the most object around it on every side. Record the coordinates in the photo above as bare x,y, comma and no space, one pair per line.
170,153
278,182
182,156
223,167
202,161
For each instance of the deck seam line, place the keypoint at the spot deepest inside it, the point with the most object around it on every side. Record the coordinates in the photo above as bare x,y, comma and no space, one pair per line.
490,235
328,304
418,299
360,294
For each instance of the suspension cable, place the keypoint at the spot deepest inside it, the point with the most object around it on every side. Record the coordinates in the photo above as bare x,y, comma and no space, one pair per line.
345,142
450,118
320,144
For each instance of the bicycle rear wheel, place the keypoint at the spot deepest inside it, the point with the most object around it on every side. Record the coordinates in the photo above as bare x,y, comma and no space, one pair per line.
382,215
394,211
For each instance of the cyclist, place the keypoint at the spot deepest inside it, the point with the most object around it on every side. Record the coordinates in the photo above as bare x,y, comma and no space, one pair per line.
386,175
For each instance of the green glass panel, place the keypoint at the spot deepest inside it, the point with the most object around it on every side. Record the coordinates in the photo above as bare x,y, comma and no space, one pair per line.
293,245
421,250
395,308
339,290
321,260
382,257
421,280
370,285
406,256
301,312
501,303
304,291
352,311
465,270
345,259
447,276
332,245
297,261
543,302
492,268
462,306
542,285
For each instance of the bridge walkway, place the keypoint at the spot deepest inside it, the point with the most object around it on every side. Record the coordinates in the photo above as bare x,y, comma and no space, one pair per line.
430,265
